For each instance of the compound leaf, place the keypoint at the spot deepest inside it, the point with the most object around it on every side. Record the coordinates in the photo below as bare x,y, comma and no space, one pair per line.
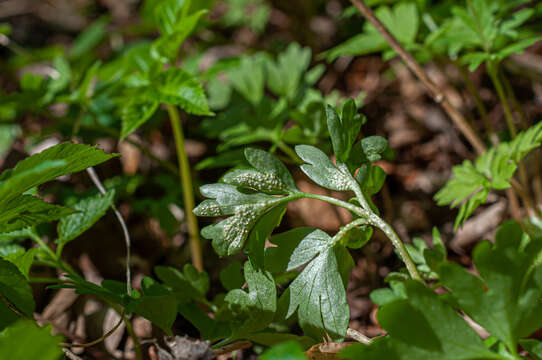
89,210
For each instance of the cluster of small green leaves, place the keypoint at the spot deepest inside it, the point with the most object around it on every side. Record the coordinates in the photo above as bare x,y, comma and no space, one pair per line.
318,264
21,211
491,171
504,299
247,113
473,31
251,13
127,88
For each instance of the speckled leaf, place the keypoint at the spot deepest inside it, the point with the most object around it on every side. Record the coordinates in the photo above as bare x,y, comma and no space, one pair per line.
229,235
320,168
319,296
269,164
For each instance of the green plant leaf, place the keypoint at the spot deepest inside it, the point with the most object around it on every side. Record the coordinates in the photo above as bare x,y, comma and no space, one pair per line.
371,179
28,210
231,276
256,308
166,47
14,287
318,292
230,235
157,305
135,113
23,260
269,174
295,248
402,20
26,340
58,160
175,86
89,38
248,78
186,285
284,75
492,170
289,350
320,169
255,248
533,347
497,300
344,129
89,210
421,326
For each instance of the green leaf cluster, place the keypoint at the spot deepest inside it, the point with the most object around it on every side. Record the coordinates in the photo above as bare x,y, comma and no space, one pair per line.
315,264
491,171
503,299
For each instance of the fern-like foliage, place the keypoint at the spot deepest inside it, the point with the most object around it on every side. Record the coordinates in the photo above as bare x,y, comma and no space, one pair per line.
491,171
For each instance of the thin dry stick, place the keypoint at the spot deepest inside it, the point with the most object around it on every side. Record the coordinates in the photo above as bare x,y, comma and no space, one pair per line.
100,339
439,97
359,337
232,347
71,355
96,180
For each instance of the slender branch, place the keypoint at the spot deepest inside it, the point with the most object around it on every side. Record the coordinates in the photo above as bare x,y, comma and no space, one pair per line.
188,189
96,180
288,151
100,339
439,97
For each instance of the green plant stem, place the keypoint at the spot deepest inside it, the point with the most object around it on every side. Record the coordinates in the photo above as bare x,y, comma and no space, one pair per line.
482,111
494,75
493,71
355,209
289,151
338,236
510,93
131,332
100,339
386,228
369,217
188,189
